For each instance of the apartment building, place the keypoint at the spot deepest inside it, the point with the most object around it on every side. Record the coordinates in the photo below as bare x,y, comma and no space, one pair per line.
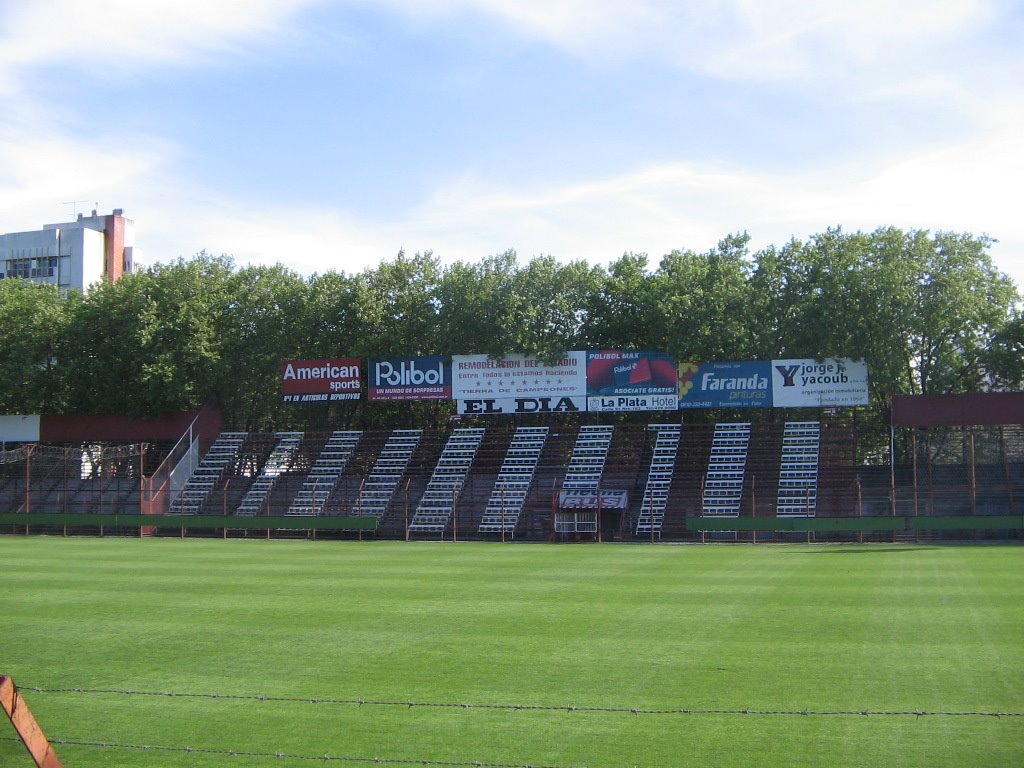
71,255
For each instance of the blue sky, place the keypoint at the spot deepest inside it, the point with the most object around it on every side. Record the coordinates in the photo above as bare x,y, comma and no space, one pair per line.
329,135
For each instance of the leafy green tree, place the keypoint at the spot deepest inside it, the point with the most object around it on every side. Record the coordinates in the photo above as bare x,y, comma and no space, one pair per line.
33,320
703,302
548,306
101,362
1004,359
479,306
262,326
624,311
396,307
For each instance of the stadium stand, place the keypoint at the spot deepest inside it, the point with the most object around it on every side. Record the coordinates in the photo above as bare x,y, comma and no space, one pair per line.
377,489
217,461
723,484
279,461
514,480
588,457
659,479
435,506
324,474
798,471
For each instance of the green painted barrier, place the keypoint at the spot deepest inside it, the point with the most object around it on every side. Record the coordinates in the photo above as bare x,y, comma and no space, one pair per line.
799,524
289,522
838,524
966,522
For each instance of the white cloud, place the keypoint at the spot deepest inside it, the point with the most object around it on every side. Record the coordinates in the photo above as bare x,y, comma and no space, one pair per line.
759,40
118,36
657,209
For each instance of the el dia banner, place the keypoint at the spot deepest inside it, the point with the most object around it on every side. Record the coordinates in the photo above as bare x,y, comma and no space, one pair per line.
631,380
320,380
519,384
409,378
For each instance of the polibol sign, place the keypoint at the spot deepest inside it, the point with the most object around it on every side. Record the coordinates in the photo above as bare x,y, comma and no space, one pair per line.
410,378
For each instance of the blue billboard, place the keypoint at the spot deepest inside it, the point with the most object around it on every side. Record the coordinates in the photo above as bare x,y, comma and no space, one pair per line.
745,384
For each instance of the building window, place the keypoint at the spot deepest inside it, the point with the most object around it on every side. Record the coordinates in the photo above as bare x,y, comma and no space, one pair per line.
19,268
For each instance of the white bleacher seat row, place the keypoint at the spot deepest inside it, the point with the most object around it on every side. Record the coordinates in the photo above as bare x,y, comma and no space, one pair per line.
435,507
382,482
207,475
513,482
659,479
279,461
727,466
798,470
324,474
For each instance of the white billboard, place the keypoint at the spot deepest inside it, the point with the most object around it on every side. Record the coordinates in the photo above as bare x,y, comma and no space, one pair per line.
519,384
833,382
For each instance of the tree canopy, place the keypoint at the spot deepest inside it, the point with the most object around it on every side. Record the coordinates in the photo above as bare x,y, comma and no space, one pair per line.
928,312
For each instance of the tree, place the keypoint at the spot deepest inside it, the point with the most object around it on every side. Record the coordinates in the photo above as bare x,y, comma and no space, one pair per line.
703,302
262,326
1004,359
624,312
33,319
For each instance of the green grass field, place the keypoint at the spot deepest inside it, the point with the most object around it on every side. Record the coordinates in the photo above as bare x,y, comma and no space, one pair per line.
774,630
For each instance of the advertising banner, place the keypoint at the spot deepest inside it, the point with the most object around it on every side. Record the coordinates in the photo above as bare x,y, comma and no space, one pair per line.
409,378
631,380
831,383
321,380
725,385
593,499
519,384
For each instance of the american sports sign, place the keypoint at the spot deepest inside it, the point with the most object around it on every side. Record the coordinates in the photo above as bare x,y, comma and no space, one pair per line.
321,380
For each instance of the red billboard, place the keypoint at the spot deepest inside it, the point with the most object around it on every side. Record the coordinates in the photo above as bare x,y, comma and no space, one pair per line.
323,380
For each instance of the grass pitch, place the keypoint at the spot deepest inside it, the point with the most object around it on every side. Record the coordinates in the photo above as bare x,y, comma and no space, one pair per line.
772,631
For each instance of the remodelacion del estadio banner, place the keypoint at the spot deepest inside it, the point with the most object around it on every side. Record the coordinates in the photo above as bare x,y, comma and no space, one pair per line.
519,384
605,380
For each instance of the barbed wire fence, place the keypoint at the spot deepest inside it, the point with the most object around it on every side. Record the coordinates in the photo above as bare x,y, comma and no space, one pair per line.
410,704
528,707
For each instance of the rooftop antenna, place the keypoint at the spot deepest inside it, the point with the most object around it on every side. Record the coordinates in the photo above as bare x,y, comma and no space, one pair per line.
74,205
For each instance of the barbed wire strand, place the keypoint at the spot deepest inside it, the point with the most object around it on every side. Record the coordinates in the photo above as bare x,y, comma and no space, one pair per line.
293,756
529,707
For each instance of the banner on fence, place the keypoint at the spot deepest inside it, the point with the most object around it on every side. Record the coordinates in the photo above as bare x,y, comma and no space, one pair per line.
833,382
519,384
409,378
794,383
725,385
631,380
593,499
321,380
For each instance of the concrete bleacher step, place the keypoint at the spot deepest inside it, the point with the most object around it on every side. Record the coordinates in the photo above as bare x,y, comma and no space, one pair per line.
380,485
798,470
445,484
501,515
659,479
207,474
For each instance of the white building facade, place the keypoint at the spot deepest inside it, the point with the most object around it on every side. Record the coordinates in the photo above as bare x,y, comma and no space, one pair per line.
73,255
